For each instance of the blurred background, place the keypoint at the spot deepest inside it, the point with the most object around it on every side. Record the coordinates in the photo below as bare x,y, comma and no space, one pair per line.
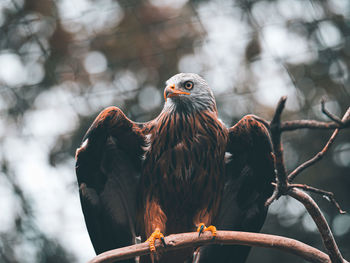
62,62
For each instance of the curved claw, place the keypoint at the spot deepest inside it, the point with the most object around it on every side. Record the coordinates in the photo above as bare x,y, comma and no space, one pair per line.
202,228
163,241
200,231
155,235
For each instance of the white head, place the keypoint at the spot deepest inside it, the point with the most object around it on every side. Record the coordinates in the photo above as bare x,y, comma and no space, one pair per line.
188,92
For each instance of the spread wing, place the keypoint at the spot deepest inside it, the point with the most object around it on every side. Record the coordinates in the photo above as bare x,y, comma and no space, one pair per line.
249,173
108,166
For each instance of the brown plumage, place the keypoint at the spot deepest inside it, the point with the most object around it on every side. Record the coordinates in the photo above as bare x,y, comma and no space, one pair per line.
182,184
171,173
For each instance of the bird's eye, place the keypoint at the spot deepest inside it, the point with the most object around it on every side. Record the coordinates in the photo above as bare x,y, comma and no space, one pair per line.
188,85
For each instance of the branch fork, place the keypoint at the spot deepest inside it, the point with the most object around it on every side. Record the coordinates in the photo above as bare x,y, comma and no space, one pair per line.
284,186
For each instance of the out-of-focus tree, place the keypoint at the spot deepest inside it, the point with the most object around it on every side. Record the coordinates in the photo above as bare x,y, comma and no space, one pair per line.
61,62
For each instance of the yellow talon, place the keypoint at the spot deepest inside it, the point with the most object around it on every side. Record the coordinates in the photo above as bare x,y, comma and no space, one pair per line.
155,235
202,228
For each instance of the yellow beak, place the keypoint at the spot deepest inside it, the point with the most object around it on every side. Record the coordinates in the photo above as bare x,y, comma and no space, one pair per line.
170,91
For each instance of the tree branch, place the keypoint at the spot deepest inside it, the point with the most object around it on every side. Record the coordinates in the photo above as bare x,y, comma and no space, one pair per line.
281,178
185,240
319,155
321,223
329,114
276,130
309,124
314,159
280,169
326,194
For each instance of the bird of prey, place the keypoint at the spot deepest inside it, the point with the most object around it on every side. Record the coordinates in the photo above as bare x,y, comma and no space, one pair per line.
181,172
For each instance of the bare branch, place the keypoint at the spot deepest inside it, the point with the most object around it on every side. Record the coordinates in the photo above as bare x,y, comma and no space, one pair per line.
276,128
309,124
275,195
278,112
303,124
330,115
185,240
281,174
321,223
328,195
314,159
319,155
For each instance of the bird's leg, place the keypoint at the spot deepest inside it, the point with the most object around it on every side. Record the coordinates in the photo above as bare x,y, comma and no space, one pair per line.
155,220
204,218
202,228
155,235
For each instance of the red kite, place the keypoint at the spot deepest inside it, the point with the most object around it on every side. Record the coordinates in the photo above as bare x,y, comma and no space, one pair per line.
180,172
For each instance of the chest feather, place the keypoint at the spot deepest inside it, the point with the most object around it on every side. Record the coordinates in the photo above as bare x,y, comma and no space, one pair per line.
185,145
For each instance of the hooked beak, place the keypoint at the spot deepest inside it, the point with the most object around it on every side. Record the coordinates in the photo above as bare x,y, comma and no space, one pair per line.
170,91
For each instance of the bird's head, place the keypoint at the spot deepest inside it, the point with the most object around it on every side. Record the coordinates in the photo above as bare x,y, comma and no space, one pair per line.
188,92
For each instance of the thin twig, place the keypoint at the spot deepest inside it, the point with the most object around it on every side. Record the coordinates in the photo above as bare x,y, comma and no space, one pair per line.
321,223
185,240
314,159
275,195
319,155
309,124
328,195
329,114
304,124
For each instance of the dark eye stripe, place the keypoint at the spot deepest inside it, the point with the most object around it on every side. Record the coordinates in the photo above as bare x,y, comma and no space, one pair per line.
188,85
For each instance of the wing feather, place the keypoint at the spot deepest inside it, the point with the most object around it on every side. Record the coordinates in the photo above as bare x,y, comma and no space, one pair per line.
249,174
108,168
